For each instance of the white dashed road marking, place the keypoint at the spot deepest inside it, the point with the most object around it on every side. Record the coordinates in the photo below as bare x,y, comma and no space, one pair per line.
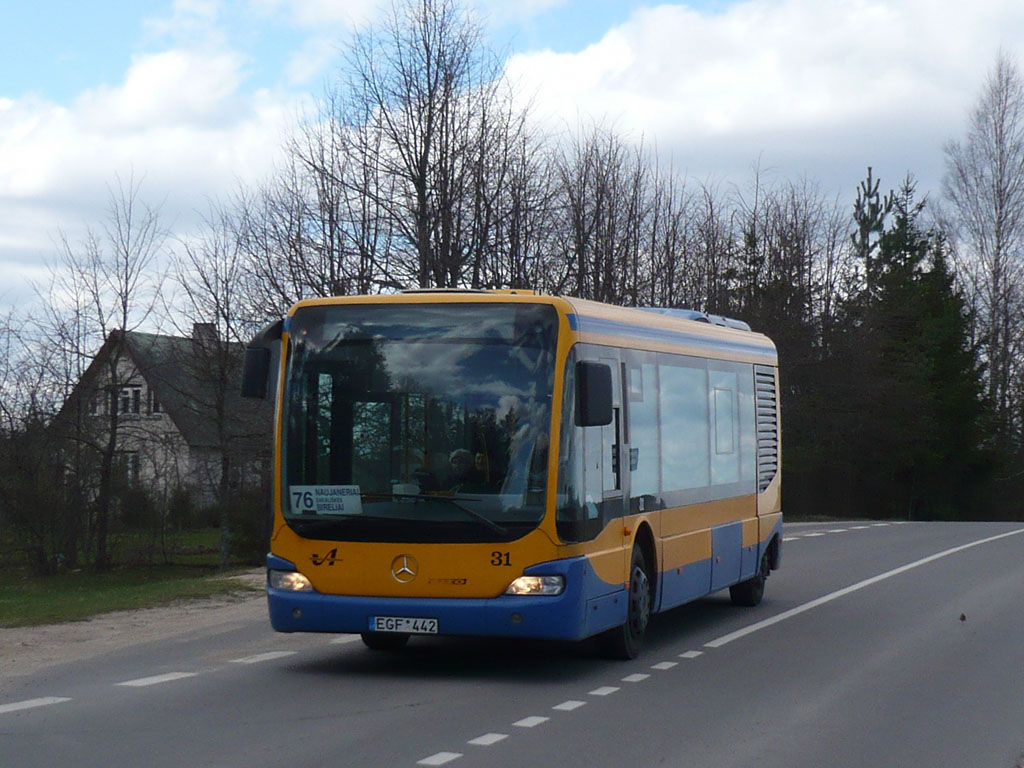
142,682
270,656
530,722
346,639
604,690
487,739
663,665
440,758
32,704
637,678
691,654
569,706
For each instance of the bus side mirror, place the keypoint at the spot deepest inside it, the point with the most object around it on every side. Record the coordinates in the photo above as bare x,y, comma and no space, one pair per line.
255,372
258,356
593,394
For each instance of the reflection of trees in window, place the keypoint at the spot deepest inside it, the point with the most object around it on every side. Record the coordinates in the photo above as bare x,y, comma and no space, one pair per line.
371,446
643,426
725,455
684,412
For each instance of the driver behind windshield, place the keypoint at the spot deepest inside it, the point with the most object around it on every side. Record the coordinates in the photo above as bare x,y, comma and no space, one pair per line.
466,476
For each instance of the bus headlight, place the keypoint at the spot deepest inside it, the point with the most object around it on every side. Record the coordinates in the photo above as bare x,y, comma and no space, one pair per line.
290,581
537,585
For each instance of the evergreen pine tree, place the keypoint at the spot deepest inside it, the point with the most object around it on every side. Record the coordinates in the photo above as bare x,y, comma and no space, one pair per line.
919,442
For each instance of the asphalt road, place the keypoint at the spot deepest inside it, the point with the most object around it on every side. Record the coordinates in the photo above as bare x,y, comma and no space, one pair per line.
876,645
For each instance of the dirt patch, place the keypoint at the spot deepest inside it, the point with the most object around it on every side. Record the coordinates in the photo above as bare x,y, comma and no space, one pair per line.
25,650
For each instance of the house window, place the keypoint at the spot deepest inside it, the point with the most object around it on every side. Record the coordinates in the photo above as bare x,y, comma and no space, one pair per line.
130,400
154,402
128,462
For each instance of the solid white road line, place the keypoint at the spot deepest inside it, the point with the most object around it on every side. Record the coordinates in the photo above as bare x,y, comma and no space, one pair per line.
142,682
32,704
269,656
718,643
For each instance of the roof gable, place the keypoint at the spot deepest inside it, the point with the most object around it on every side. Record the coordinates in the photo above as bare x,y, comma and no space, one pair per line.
197,379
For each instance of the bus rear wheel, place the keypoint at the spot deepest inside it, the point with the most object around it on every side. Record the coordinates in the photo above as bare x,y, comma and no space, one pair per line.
624,642
384,641
750,592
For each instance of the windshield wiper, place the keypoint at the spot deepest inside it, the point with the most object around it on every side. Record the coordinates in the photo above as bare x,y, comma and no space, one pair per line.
458,505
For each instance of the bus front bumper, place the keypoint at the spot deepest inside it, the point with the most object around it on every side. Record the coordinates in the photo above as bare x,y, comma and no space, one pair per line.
587,606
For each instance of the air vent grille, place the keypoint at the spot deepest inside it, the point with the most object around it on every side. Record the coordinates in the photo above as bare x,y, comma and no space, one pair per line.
767,426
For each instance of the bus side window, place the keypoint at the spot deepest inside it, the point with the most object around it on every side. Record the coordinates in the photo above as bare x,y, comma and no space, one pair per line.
644,431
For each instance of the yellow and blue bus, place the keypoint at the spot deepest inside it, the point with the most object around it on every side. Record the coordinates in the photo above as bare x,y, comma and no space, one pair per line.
501,463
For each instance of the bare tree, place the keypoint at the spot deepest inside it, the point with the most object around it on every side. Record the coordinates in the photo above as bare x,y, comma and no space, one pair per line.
601,213
427,113
984,183
209,270
102,286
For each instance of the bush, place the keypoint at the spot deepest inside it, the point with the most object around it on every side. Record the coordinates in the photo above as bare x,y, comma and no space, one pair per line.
181,511
249,525
138,510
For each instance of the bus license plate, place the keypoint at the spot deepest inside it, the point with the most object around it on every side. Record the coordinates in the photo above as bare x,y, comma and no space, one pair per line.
403,624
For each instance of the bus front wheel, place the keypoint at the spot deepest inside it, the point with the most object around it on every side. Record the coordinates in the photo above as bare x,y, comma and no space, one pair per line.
624,642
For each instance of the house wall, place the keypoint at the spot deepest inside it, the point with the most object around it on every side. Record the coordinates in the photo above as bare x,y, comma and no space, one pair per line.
155,454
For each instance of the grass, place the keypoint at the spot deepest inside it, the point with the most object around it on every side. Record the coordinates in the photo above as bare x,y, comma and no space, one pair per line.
32,600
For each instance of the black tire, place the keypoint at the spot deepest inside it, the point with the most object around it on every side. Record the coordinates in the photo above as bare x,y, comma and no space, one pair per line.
750,592
384,641
624,642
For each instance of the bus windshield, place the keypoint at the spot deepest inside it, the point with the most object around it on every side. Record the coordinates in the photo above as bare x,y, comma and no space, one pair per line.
418,422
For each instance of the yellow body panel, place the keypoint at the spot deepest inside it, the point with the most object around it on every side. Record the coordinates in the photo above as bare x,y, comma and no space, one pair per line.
682,549
607,553
441,570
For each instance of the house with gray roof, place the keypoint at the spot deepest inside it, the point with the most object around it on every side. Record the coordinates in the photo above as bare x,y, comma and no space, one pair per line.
174,408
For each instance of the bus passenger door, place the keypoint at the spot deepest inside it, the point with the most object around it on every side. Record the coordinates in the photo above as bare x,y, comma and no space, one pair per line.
604,483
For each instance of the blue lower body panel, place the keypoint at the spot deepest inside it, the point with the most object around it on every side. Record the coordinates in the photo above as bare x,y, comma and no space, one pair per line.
587,606
686,583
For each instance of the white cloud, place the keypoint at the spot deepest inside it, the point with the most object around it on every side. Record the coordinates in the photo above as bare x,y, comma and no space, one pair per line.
177,87
499,12
801,80
191,23
181,119
320,13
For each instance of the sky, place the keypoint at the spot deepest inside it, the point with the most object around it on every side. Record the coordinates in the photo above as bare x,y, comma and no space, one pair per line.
194,98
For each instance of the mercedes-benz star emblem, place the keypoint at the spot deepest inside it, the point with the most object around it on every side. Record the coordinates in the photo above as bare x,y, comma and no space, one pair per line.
404,568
